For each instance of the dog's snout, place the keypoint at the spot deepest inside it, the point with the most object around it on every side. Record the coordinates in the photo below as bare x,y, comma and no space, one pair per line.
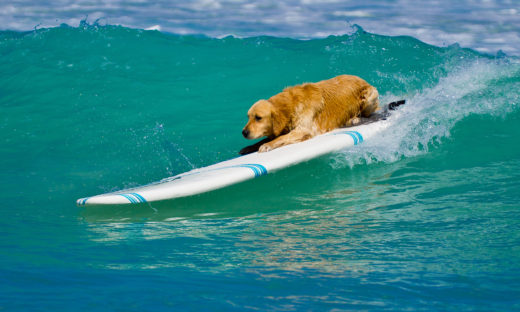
245,133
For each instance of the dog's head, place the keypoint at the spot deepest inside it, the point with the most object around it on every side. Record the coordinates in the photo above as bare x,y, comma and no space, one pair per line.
264,120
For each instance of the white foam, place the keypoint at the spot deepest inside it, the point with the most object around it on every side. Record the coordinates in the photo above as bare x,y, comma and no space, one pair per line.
154,27
471,23
429,116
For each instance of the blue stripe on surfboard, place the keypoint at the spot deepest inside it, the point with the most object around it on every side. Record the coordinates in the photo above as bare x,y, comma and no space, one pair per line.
252,167
261,170
139,197
137,200
130,198
257,169
356,136
82,201
359,135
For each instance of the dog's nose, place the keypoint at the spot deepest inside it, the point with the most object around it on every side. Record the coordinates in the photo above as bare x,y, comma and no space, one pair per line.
245,133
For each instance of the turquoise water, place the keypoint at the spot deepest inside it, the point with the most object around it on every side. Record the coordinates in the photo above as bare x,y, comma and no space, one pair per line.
424,218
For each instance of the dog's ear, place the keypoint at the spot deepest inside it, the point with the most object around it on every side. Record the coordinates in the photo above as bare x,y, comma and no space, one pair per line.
280,120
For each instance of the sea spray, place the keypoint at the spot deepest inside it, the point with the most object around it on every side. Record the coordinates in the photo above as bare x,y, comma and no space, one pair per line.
481,87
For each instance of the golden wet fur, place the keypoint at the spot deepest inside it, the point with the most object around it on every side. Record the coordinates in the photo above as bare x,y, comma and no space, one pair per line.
304,111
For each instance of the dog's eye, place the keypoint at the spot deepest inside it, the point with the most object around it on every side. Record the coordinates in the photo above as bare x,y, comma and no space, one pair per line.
258,118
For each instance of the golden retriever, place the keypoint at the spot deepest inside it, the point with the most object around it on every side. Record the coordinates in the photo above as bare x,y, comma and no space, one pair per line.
301,112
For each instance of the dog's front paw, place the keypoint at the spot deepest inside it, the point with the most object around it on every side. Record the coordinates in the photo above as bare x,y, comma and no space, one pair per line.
265,148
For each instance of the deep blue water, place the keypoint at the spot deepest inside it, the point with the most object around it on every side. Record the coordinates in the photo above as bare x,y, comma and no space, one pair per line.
423,218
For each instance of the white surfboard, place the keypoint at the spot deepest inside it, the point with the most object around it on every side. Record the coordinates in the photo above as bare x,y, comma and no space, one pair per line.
246,167
240,169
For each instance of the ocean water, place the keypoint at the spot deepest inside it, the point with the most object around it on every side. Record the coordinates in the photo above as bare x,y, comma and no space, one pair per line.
485,25
424,218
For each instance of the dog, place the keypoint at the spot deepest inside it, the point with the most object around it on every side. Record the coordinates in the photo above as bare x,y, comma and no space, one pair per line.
301,112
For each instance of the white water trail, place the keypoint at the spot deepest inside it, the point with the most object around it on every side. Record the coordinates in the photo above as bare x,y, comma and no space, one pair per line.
481,87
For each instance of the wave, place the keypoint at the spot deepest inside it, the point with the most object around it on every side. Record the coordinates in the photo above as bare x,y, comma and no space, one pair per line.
477,87
147,105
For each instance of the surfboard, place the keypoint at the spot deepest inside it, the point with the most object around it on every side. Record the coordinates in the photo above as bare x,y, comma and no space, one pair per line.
251,166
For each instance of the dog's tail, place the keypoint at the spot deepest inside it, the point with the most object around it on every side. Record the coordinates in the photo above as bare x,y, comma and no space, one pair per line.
394,105
381,114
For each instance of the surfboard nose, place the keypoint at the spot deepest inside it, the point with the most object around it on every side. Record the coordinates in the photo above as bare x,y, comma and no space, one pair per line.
82,201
